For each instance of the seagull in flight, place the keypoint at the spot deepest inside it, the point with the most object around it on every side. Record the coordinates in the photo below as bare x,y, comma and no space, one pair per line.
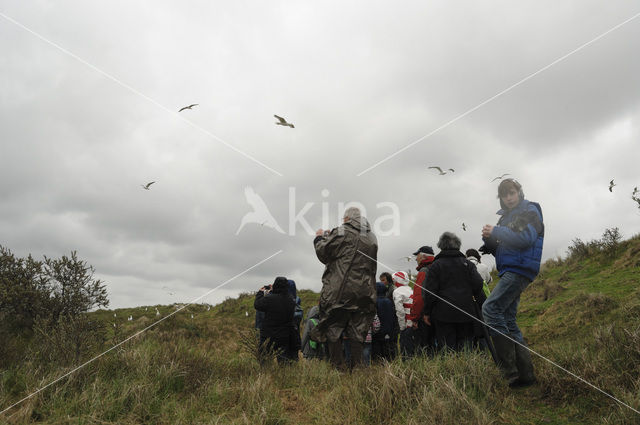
611,184
406,257
635,190
282,121
500,177
188,107
147,186
464,227
442,173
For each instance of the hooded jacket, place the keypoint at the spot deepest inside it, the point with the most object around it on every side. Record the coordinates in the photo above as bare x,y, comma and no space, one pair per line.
278,308
349,253
454,279
402,299
517,239
418,289
386,312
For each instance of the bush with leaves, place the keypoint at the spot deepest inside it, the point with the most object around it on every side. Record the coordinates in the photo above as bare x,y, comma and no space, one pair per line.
48,297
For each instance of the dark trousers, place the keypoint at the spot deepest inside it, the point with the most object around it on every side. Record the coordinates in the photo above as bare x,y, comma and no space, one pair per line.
454,336
407,343
425,338
275,345
382,349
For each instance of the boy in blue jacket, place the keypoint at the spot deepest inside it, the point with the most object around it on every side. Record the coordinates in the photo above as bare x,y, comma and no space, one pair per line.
516,242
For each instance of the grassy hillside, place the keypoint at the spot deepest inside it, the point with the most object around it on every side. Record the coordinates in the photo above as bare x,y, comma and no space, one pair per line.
583,314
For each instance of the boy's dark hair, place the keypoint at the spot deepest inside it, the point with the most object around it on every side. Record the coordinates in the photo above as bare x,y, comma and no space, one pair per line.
506,185
387,276
472,253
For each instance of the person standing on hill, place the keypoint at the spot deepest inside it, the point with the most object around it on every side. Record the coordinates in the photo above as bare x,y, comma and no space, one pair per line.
423,333
381,345
516,242
276,334
348,295
452,283
402,298
474,256
385,277
297,318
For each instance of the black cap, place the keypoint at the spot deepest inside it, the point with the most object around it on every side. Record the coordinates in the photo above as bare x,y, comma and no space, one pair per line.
426,249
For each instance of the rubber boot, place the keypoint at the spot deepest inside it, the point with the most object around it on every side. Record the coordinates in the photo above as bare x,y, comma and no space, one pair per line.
356,353
506,352
336,355
525,368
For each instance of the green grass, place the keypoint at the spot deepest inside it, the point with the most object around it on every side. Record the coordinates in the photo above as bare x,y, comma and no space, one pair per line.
583,315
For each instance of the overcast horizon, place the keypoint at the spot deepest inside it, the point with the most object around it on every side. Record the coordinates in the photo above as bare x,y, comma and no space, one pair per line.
90,115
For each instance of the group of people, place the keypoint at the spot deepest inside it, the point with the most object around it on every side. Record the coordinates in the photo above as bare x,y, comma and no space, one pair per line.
358,319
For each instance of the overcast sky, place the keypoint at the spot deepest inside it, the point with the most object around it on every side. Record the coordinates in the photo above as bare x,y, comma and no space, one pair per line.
89,94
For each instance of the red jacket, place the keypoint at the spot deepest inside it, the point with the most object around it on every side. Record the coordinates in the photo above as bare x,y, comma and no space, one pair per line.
418,303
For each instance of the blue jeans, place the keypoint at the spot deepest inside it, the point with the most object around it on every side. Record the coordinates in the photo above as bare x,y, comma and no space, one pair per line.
366,354
499,310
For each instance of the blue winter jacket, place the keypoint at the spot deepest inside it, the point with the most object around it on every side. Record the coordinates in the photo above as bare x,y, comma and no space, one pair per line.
386,312
517,240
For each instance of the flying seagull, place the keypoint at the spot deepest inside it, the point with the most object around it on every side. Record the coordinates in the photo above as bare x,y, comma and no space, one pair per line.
464,227
188,107
635,190
282,121
611,184
406,257
500,177
147,186
442,173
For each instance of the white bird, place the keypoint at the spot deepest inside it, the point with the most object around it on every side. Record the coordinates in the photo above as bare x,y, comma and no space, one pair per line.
147,186
188,107
208,308
146,308
500,177
114,315
282,121
611,184
260,213
157,312
114,325
192,316
130,318
246,313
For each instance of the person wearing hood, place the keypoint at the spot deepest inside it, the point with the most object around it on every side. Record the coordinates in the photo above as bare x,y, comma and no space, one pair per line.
382,339
474,256
387,280
516,242
348,295
452,284
297,318
403,300
423,332
276,333
312,349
